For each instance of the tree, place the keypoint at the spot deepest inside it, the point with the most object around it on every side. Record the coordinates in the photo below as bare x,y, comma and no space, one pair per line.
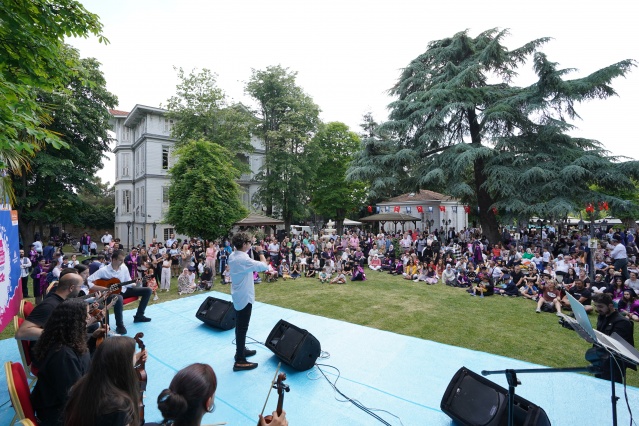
376,163
288,119
201,111
33,61
332,150
460,125
204,197
47,189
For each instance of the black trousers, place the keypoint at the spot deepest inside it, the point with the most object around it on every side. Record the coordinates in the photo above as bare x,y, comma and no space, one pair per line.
25,286
242,319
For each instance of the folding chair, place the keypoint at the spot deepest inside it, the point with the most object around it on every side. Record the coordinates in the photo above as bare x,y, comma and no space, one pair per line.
24,347
19,393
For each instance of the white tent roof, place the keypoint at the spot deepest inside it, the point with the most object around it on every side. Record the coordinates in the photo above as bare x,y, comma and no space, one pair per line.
349,222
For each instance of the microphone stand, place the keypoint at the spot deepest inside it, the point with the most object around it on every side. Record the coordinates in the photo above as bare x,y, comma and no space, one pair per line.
511,377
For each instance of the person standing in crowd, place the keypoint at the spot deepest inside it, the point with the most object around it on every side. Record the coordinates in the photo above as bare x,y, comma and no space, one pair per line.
25,268
243,293
619,256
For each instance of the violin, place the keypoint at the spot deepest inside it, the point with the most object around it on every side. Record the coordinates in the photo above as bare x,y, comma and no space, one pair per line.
141,372
281,389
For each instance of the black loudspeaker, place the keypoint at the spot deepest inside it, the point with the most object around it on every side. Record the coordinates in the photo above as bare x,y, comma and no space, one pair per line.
473,400
293,345
217,313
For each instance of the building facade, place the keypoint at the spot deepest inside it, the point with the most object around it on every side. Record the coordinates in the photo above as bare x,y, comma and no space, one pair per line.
439,211
143,156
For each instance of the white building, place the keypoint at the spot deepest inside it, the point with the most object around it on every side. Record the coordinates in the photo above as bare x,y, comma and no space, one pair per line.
438,211
143,156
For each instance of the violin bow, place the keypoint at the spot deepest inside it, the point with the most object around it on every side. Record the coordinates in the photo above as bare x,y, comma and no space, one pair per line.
271,387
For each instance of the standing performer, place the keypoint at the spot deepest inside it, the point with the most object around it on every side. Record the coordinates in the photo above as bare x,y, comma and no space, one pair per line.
243,293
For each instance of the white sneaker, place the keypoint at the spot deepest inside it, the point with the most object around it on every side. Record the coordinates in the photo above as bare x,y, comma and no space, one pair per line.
156,297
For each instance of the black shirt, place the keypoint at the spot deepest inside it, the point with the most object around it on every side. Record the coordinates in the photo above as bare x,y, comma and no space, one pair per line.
41,313
578,294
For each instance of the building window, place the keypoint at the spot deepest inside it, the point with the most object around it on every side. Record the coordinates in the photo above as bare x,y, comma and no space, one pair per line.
168,125
165,195
165,158
126,201
126,134
141,202
126,164
168,232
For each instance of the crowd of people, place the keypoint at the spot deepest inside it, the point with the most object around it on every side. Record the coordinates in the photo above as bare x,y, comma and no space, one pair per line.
542,266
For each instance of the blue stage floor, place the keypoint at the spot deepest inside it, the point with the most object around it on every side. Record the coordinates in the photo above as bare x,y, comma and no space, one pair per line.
402,375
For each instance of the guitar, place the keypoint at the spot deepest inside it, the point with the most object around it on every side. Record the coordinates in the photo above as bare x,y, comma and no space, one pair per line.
113,285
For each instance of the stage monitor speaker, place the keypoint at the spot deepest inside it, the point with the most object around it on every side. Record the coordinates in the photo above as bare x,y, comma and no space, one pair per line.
473,400
217,313
293,345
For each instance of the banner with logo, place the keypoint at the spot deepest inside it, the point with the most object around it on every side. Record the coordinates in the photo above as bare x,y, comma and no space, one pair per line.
10,295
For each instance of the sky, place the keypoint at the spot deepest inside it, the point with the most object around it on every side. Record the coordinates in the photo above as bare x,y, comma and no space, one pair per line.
349,53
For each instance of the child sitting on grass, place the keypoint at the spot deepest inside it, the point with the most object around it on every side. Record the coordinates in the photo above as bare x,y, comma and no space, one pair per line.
226,275
149,279
296,272
323,276
484,288
285,271
339,279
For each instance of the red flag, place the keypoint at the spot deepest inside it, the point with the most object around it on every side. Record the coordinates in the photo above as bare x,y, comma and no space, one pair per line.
442,208
467,209
590,208
420,209
370,209
494,210
396,209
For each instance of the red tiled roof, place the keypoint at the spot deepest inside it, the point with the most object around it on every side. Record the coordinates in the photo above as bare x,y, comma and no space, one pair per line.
117,112
422,195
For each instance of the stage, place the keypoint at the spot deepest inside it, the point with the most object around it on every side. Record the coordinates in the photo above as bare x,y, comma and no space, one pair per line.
402,375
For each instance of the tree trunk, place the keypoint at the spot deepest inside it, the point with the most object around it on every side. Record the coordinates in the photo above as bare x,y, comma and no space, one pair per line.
487,218
340,215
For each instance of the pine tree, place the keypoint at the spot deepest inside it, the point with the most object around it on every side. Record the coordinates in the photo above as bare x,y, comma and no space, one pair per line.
461,126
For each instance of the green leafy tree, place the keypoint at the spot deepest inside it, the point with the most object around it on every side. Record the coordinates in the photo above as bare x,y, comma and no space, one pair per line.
462,127
47,188
204,197
332,150
35,61
288,118
200,111
376,163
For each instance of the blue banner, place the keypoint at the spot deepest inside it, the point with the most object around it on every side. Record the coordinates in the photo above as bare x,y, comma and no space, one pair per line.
10,295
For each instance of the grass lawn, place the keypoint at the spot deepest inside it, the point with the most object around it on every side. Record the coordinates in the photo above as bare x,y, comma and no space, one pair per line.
499,325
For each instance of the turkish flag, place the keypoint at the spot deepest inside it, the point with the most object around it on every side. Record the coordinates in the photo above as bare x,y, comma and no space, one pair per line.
420,209
396,209
442,208
467,209
370,209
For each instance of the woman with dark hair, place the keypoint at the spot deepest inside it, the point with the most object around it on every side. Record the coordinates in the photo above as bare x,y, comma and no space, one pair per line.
109,394
62,357
190,395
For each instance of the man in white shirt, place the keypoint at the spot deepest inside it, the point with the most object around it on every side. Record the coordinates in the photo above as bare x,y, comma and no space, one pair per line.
243,294
106,238
117,269
619,257
171,240
633,282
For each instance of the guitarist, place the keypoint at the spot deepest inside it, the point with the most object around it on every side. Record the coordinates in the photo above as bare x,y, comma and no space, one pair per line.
117,269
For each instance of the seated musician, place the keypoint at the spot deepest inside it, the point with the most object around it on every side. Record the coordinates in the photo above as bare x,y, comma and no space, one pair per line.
68,287
109,394
190,396
118,270
62,357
